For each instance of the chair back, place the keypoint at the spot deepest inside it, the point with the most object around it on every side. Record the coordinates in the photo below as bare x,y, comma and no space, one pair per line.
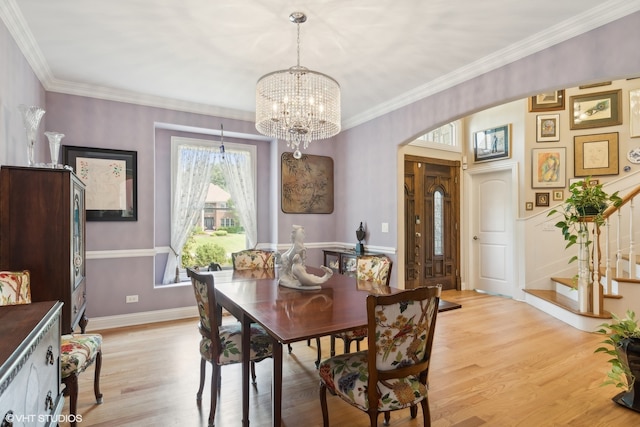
15,287
374,268
400,333
210,313
253,259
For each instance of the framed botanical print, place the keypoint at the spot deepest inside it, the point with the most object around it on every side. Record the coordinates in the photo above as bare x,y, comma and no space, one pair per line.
596,110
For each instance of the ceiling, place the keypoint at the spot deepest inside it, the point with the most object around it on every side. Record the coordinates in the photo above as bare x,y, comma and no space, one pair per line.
206,56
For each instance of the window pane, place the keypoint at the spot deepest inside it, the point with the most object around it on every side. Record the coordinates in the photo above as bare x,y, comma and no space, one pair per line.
438,236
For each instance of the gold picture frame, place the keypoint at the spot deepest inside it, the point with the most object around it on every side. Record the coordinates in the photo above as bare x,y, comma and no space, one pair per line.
547,101
596,154
596,110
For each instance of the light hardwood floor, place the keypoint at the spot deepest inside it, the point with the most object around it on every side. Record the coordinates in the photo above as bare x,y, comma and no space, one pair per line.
496,362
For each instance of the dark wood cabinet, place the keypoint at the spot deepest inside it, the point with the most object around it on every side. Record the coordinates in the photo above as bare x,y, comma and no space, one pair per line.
342,261
42,229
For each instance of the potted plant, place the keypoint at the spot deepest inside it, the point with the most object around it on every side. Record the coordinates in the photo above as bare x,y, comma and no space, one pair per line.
587,199
623,345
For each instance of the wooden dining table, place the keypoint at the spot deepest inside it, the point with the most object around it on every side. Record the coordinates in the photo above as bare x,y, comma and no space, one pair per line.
290,315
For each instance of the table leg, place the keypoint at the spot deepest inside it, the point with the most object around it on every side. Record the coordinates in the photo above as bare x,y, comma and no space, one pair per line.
246,345
276,384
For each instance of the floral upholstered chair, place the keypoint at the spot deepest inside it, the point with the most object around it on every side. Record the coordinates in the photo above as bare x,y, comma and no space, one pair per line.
14,287
392,374
253,259
222,344
77,352
374,269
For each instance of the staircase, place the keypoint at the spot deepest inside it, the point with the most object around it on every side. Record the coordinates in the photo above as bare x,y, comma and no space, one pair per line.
612,265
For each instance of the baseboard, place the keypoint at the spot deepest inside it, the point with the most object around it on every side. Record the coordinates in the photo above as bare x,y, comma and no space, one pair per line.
132,319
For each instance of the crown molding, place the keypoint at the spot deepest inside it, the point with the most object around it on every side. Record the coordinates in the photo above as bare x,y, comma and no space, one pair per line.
603,14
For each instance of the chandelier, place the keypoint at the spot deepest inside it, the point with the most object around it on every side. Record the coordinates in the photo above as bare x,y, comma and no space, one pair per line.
298,105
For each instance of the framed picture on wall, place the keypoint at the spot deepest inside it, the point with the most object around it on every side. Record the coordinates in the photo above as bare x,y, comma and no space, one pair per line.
111,179
596,154
542,199
547,101
596,110
491,144
548,167
548,127
634,113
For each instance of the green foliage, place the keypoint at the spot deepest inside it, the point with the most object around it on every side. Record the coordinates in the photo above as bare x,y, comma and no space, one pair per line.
617,331
188,250
208,253
233,230
220,232
586,199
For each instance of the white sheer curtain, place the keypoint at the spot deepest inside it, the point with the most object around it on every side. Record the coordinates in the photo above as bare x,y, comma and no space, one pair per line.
193,175
237,169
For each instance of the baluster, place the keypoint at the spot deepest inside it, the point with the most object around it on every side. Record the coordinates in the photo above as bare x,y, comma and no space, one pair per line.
633,273
607,260
618,245
583,269
596,288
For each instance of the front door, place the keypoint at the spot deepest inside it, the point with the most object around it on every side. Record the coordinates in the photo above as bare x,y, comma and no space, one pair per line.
432,248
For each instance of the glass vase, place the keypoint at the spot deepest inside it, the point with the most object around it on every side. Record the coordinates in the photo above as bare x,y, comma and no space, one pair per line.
54,146
31,116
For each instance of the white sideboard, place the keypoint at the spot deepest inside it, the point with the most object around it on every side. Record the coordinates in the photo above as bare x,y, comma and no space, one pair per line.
30,392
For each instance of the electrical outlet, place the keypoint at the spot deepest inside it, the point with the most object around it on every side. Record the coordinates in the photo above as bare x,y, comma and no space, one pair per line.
132,298
385,227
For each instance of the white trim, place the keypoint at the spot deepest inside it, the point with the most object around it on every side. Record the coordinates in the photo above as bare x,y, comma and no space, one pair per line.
125,253
132,319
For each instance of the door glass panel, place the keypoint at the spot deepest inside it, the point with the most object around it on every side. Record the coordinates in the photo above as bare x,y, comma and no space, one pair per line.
438,235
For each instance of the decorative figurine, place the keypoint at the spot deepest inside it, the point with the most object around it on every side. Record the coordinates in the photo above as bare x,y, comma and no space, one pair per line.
360,234
294,273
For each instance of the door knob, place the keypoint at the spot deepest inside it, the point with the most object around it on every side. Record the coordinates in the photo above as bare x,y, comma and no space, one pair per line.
475,237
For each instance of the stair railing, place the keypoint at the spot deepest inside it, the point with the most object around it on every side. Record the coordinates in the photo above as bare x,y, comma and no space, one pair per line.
590,299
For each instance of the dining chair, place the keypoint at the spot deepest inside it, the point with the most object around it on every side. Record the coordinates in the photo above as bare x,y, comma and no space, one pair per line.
77,351
222,344
253,259
392,373
374,269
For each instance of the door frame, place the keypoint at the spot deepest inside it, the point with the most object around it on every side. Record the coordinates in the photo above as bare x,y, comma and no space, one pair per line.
472,265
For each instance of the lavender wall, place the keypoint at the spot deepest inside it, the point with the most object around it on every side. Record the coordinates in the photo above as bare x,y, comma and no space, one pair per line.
369,151
18,85
364,157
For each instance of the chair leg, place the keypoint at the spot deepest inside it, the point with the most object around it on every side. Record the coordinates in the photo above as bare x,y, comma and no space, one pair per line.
333,346
414,411
203,364
323,404
319,352
373,418
215,376
387,417
426,414
358,345
71,390
290,348
96,377
347,346
253,373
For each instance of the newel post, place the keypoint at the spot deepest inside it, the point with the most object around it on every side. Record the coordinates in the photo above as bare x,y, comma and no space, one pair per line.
583,269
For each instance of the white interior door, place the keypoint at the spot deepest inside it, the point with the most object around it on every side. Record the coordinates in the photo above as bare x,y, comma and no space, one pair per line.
492,228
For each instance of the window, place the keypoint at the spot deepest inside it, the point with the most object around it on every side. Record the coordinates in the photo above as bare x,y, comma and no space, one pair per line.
443,138
191,175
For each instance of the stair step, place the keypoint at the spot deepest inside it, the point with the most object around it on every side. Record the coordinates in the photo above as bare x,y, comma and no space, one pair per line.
566,303
570,283
626,258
